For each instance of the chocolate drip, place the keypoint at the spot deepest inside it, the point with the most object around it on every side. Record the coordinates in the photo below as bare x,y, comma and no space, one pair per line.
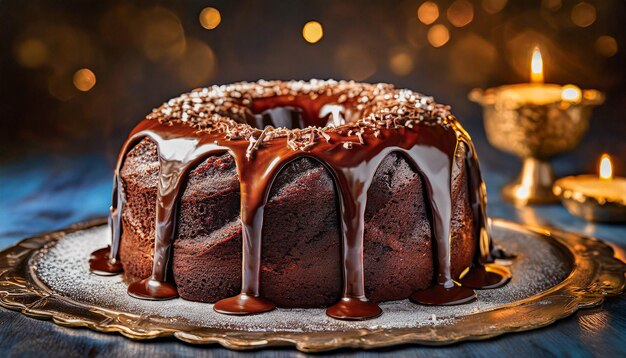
106,263
174,165
483,274
179,151
432,155
430,147
255,181
445,291
101,264
353,184
478,199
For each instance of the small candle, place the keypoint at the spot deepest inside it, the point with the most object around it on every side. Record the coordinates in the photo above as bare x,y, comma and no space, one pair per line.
595,197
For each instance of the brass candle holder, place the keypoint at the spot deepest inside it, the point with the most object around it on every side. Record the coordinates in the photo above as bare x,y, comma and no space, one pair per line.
535,121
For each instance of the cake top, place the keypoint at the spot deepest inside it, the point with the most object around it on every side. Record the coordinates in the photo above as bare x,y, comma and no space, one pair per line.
344,108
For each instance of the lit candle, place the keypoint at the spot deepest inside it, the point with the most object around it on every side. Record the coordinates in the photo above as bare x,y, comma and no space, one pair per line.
595,197
537,92
535,121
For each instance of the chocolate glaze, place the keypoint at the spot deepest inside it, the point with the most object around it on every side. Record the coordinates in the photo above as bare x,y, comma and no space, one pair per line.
101,264
440,295
351,153
243,304
485,276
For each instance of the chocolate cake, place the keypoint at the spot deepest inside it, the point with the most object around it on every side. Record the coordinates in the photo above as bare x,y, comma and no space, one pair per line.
300,194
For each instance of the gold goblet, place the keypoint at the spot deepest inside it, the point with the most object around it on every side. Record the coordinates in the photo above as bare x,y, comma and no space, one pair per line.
535,122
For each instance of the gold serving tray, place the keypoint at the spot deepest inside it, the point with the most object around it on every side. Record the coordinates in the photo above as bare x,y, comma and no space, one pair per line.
592,274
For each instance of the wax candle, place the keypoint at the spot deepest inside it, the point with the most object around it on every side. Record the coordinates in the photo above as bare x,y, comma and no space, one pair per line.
599,198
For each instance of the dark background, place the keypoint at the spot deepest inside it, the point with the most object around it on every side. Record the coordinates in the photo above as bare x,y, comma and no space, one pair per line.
143,53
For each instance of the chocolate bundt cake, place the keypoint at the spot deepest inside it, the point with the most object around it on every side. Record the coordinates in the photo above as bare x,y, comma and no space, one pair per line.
300,194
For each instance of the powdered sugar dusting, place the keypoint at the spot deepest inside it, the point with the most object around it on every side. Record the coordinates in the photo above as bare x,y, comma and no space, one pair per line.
63,268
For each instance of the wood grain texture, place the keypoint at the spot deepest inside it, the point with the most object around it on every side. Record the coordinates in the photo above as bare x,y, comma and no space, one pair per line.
50,192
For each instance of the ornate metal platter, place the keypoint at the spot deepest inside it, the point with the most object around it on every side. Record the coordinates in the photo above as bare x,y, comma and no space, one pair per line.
555,273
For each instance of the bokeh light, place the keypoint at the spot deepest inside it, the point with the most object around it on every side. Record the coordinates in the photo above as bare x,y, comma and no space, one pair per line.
552,5
312,32
143,53
460,13
163,37
210,18
198,65
438,35
84,79
583,14
494,6
428,12
606,46
31,53
61,48
571,93
472,60
401,62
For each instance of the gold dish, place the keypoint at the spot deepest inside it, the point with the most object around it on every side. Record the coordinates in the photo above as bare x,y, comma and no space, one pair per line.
592,273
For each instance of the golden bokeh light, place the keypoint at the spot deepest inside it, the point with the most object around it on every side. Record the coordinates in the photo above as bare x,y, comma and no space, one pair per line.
494,6
552,5
428,12
210,18
460,13
31,53
438,35
162,35
198,65
401,62
312,32
84,79
606,46
571,93
583,14
472,60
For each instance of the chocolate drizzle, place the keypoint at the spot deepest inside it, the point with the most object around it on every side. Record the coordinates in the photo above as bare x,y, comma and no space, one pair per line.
376,120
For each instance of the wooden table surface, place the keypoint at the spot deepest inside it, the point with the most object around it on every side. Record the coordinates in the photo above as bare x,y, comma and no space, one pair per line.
49,192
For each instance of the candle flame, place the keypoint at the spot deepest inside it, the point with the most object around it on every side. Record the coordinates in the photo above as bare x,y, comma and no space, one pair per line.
536,67
606,169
